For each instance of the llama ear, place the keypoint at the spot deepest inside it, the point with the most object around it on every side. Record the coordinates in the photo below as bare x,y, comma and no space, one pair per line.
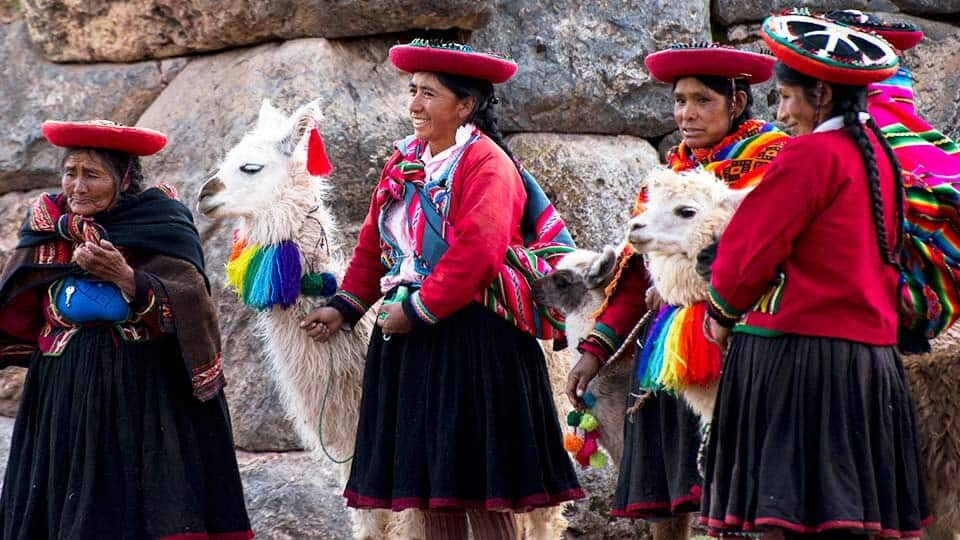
602,269
269,115
732,198
301,121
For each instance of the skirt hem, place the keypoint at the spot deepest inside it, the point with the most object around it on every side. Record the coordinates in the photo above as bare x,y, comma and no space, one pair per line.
686,504
233,535
540,500
734,524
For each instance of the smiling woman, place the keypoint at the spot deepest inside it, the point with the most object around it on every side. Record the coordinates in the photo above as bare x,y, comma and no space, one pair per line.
123,430
456,415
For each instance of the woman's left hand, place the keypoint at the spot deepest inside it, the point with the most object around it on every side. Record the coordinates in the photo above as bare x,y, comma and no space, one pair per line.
392,319
716,333
105,262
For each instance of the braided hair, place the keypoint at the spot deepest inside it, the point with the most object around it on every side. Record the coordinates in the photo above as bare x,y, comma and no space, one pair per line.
118,164
484,114
723,86
850,101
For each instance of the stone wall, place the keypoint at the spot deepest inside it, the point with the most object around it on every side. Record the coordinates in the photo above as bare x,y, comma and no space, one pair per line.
582,113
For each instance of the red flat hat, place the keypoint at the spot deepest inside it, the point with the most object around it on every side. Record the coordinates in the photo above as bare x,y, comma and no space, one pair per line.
104,134
424,55
679,61
828,51
901,35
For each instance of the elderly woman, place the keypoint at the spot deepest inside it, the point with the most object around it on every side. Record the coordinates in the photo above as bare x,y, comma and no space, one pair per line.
456,416
659,479
123,430
814,427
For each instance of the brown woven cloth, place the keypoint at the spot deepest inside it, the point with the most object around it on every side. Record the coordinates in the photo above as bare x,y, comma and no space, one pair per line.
176,283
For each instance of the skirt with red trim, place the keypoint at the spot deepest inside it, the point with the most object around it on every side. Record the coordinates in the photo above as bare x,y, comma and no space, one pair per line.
814,435
459,415
109,442
658,474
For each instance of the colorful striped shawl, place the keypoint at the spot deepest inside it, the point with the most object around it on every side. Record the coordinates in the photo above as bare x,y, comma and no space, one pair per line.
931,175
546,240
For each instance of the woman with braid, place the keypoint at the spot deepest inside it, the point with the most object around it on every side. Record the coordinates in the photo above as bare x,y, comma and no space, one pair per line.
814,429
457,416
658,477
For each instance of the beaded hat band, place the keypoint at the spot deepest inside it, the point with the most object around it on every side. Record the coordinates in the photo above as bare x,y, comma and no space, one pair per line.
455,58
680,61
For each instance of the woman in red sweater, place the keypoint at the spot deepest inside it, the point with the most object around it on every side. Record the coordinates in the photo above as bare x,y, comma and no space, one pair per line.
814,428
456,415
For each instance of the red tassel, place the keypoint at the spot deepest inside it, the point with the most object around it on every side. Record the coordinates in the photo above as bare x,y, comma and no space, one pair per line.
317,162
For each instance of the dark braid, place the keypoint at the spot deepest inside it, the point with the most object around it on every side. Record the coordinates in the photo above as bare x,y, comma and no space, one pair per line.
850,101
484,114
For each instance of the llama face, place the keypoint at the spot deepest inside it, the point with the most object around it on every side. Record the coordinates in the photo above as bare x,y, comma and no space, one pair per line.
576,275
259,168
685,213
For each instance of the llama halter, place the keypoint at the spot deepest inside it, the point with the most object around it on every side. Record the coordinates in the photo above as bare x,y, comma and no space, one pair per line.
271,275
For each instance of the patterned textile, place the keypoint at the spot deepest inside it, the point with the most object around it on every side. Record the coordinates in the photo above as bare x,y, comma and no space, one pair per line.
931,175
545,235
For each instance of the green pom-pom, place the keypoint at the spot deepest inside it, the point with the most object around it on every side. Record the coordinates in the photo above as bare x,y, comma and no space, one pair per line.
573,418
323,284
598,460
588,422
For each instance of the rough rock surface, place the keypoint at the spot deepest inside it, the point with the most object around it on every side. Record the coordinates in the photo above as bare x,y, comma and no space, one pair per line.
592,179
581,63
936,73
929,7
35,90
727,12
127,30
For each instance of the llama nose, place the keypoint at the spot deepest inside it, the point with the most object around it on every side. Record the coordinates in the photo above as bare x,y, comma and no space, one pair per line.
211,187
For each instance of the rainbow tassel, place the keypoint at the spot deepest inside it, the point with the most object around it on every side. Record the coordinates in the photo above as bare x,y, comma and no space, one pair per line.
265,276
676,354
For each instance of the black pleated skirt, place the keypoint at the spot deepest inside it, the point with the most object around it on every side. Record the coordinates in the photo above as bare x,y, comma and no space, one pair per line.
110,443
812,435
459,415
658,474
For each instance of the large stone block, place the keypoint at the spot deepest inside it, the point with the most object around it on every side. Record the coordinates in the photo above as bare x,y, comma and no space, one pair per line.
126,30
208,108
727,12
592,179
929,7
35,90
581,63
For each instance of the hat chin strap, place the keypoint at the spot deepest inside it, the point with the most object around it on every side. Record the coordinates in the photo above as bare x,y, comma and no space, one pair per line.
120,185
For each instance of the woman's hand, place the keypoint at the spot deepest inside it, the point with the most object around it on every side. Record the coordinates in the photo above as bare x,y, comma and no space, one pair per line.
321,323
392,319
716,333
580,376
105,262
654,300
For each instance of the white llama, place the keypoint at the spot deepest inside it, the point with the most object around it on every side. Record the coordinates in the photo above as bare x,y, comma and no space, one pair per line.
263,181
685,213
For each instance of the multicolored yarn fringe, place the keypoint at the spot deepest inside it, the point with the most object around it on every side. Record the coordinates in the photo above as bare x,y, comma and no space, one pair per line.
931,175
268,276
676,354
583,442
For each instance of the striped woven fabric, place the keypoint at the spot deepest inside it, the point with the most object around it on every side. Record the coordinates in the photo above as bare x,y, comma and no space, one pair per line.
931,175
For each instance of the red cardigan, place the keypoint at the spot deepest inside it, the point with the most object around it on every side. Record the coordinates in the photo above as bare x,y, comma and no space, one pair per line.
486,206
802,250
